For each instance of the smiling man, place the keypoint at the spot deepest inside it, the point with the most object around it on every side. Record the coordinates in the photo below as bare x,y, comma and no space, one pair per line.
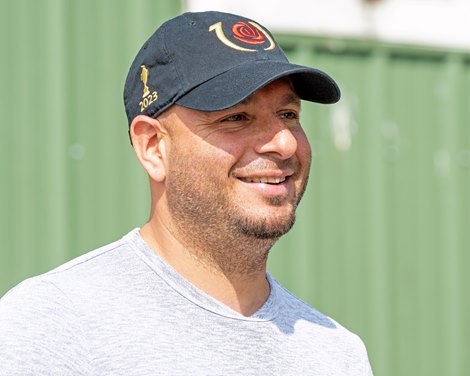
214,117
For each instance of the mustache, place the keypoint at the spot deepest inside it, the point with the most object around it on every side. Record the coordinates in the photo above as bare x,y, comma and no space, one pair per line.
268,165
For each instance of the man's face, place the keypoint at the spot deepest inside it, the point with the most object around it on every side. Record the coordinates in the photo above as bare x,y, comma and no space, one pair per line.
241,170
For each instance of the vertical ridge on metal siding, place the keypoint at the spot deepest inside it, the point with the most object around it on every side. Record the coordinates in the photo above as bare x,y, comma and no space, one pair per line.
376,256
463,159
451,241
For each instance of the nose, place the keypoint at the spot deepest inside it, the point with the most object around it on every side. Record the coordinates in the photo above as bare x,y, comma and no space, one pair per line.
279,140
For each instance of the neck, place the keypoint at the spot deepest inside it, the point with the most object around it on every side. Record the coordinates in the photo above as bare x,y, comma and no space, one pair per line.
232,271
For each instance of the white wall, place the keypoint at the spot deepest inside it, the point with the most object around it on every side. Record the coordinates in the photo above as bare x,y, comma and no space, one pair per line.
439,23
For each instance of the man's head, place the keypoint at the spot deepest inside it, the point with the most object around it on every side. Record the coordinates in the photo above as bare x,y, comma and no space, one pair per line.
214,109
245,166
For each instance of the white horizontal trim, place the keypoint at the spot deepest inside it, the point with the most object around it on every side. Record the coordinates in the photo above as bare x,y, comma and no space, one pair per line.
438,23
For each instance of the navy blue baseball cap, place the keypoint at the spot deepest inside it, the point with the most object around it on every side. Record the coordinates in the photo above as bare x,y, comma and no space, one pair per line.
211,61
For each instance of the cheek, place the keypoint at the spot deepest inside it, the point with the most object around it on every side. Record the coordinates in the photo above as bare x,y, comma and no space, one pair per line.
207,160
304,152
223,152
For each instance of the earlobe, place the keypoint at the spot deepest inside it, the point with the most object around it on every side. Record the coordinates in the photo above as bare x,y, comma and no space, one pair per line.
148,138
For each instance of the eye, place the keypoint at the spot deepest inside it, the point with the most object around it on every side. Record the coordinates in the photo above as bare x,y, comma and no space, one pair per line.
290,115
235,117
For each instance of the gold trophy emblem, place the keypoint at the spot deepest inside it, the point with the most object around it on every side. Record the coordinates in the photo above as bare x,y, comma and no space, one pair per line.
144,77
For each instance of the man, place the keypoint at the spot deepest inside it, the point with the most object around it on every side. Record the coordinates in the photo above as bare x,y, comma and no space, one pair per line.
213,107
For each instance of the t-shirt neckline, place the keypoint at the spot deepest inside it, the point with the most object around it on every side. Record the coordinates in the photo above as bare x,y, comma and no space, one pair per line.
267,312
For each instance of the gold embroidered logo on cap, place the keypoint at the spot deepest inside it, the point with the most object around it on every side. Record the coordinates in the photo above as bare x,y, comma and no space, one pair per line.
246,32
148,99
144,76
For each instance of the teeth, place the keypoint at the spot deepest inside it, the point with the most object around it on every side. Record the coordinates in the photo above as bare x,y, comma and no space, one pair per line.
264,180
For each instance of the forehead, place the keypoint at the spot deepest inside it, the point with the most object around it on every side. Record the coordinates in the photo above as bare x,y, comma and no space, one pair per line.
280,90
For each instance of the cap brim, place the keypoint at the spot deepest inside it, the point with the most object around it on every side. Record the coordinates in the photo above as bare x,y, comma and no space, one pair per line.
235,85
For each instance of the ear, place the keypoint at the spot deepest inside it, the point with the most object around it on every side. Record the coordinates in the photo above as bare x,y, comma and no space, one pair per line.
148,138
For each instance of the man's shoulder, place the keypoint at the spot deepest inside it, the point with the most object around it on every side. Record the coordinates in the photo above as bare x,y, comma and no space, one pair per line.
320,333
87,269
299,314
294,306
97,257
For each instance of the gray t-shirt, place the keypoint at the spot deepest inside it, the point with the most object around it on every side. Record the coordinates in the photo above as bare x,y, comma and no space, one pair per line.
122,310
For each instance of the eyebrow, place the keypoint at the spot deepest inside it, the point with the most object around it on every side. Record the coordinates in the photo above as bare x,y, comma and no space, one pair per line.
290,98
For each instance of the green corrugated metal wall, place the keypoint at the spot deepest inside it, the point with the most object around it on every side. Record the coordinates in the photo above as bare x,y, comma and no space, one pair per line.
382,232
69,178
382,238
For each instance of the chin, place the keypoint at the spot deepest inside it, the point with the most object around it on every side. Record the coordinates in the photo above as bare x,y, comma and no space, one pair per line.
270,226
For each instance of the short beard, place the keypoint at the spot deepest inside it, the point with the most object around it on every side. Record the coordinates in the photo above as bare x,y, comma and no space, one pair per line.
212,226
262,229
